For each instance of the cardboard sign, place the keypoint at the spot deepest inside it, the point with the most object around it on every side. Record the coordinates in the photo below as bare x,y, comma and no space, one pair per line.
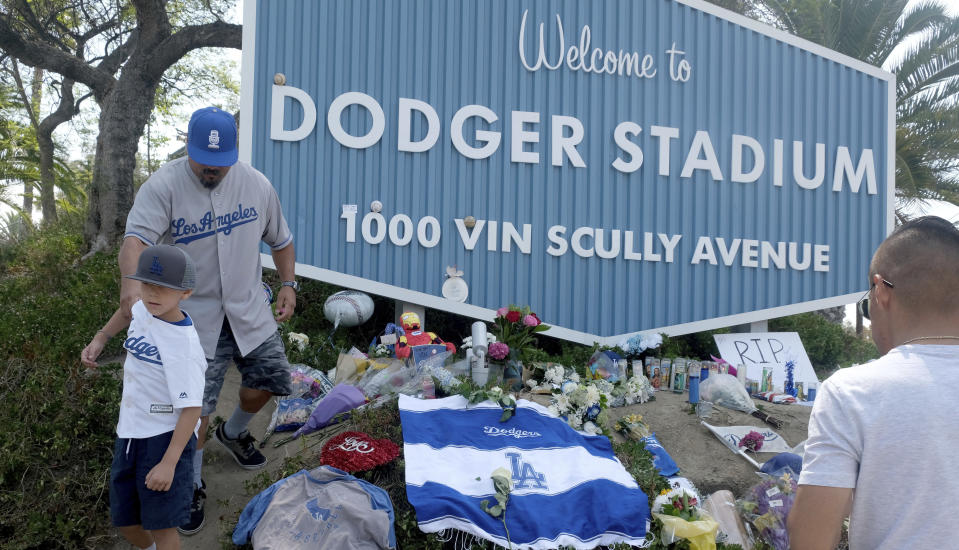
772,350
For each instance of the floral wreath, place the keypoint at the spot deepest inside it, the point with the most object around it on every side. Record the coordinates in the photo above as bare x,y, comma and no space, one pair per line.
357,451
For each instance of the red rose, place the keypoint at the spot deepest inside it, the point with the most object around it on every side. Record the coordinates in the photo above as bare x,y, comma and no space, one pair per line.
513,316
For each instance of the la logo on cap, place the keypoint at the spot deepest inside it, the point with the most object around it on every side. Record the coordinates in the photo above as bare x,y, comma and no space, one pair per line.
156,268
214,139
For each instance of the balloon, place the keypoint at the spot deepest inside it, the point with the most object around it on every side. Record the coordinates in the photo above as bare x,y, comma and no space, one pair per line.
348,308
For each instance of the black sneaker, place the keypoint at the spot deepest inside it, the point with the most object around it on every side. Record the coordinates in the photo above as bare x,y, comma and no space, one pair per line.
242,449
197,519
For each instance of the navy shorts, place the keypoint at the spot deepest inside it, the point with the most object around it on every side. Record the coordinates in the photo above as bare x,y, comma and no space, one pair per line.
131,503
264,368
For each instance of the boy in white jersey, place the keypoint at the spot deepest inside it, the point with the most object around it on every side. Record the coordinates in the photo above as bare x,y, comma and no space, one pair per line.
151,480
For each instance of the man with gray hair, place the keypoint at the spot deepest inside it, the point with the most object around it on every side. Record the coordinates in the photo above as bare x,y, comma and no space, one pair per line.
883,437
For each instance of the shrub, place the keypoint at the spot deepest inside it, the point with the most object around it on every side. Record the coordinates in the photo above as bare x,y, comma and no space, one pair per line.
55,453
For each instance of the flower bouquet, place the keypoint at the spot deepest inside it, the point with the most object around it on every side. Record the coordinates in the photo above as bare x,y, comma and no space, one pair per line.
752,441
514,328
636,389
679,512
633,428
583,405
767,506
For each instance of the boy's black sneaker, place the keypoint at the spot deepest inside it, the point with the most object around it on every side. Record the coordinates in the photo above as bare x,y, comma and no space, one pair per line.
242,448
197,519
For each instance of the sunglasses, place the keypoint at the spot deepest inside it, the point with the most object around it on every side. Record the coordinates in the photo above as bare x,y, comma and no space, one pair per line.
863,304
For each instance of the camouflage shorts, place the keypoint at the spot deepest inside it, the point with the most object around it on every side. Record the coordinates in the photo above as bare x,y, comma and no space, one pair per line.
264,368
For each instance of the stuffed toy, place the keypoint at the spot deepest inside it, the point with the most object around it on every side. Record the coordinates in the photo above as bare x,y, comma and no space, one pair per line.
415,336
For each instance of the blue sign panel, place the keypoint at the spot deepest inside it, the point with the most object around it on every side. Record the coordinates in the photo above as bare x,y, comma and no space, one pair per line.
619,166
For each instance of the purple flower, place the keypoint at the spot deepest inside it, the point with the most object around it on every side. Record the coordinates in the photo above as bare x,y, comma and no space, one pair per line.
530,320
752,441
498,350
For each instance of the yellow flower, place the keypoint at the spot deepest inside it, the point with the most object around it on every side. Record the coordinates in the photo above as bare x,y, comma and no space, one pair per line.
664,492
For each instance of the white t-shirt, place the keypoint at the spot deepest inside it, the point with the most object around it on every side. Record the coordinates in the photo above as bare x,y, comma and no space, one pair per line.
165,371
221,229
888,429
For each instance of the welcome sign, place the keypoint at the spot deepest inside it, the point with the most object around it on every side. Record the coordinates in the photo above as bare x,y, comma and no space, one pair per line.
620,166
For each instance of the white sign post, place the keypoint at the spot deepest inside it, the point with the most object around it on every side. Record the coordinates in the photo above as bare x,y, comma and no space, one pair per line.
756,350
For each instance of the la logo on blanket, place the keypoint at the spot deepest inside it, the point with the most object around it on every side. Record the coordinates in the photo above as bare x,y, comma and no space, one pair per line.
523,473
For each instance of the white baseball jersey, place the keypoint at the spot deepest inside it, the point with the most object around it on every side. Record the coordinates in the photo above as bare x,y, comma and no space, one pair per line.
221,229
165,371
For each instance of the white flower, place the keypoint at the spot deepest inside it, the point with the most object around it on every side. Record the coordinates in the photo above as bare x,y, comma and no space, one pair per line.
495,392
604,386
574,377
568,387
299,340
554,375
553,410
561,402
591,429
592,395
575,421
531,383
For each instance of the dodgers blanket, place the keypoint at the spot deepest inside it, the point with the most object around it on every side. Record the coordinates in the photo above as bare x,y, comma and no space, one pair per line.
569,489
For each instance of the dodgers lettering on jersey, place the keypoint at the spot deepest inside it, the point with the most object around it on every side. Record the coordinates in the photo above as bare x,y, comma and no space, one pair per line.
208,225
143,350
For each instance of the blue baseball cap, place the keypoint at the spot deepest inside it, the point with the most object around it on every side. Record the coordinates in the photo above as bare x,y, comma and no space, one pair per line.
211,137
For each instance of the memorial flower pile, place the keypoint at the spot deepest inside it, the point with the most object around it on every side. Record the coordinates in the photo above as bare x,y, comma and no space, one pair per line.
583,402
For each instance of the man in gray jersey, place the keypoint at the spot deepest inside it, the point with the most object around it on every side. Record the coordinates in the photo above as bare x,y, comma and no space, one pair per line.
219,210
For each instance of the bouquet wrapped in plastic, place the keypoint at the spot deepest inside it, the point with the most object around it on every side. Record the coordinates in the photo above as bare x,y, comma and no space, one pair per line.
632,427
682,518
767,505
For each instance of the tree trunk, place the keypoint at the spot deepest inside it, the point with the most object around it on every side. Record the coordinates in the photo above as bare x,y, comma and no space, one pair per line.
123,116
64,112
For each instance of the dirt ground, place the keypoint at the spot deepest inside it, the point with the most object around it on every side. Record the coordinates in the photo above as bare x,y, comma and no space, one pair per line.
700,455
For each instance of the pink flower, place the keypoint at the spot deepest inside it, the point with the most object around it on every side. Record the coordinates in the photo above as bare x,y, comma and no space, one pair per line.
498,350
530,320
501,312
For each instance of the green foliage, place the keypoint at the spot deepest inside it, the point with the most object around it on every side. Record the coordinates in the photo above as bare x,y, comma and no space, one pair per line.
699,345
55,452
50,304
57,420
828,345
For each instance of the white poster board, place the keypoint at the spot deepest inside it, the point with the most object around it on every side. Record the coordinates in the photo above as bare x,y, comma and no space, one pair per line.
756,350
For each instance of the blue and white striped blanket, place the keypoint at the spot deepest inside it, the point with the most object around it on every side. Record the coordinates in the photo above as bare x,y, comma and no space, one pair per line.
569,489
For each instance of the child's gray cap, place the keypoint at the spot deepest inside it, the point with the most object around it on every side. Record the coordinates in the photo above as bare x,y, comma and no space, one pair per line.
166,265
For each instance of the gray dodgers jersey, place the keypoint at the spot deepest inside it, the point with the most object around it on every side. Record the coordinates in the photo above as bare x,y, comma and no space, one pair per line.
221,229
